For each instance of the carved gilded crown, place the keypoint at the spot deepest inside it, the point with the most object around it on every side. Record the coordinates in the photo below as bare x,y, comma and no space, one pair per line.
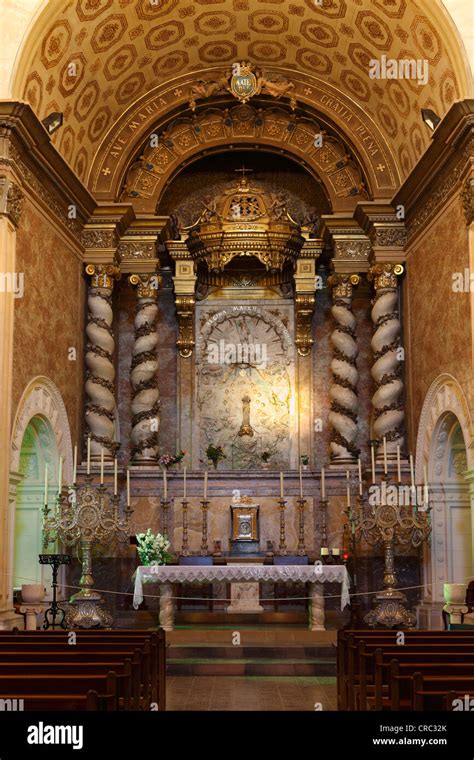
245,220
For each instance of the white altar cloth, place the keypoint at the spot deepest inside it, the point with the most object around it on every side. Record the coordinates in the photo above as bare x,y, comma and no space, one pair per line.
316,575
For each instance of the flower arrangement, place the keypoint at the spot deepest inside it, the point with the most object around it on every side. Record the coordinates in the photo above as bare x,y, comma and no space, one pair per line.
304,459
153,550
166,460
215,454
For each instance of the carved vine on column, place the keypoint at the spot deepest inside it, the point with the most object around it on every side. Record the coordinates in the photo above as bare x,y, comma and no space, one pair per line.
145,402
100,375
387,400
344,402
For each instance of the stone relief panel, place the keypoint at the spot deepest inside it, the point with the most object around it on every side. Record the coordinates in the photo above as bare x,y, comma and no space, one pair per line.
245,383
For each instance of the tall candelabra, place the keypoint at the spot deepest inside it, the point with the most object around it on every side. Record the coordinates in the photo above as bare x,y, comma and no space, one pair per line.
86,515
185,545
390,525
301,551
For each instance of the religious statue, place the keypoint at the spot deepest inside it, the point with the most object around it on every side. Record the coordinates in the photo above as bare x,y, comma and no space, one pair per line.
246,428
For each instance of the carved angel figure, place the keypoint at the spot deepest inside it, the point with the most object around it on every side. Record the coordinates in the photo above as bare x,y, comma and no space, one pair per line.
206,88
272,84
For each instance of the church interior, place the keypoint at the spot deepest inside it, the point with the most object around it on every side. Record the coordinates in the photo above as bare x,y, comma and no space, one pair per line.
236,355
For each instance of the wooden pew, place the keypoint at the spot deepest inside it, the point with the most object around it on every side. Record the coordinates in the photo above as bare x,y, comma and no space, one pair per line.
356,654
40,690
93,647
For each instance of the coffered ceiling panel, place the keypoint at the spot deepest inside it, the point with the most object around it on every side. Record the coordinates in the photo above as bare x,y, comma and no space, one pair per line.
123,48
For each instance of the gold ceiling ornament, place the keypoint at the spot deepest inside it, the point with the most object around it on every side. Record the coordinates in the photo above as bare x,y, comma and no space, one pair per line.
244,221
243,83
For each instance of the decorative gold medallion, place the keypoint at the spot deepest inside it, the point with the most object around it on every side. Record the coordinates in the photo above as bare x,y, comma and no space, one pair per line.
243,83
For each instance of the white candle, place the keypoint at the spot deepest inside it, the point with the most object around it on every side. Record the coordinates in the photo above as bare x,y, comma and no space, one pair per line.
399,465
184,483
46,484
74,475
360,476
60,475
324,552
412,471
385,455
372,455
165,485
348,490
205,485
301,483
335,552
115,476
128,487
323,485
101,465
88,455
281,486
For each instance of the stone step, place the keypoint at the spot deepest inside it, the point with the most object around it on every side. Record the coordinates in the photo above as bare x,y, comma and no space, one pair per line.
184,652
253,667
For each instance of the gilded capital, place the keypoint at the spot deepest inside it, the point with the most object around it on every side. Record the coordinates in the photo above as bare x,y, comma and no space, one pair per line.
147,284
385,275
103,275
342,284
11,200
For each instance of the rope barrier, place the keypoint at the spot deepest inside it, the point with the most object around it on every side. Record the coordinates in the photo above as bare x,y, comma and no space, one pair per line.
227,599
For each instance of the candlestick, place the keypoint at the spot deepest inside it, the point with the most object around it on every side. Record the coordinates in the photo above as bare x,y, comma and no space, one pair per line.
348,489
128,487
185,548
89,454
360,476
282,548
385,468
281,486
399,467
323,484
101,465
74,474
60,475
301,482
204,506
205,485
165,485
184,483
412,471
372,456
115,477
46,484
301,551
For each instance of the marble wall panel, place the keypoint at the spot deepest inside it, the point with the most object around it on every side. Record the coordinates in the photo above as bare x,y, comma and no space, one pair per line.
437,321
49,318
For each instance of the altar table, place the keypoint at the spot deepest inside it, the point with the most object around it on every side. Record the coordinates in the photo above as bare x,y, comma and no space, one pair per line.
315,575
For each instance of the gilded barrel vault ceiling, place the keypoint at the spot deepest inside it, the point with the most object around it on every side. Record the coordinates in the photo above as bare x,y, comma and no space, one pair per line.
125,48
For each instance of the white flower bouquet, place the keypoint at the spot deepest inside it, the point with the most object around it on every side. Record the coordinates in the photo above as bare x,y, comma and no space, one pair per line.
153,550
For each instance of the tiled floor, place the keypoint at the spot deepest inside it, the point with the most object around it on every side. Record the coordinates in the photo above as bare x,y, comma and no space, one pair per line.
250,693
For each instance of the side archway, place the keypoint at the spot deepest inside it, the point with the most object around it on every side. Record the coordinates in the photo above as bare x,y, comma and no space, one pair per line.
40,434
443,446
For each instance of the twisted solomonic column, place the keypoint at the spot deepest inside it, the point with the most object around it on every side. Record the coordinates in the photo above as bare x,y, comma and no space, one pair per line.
145,402
100,374
344,403
386,371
